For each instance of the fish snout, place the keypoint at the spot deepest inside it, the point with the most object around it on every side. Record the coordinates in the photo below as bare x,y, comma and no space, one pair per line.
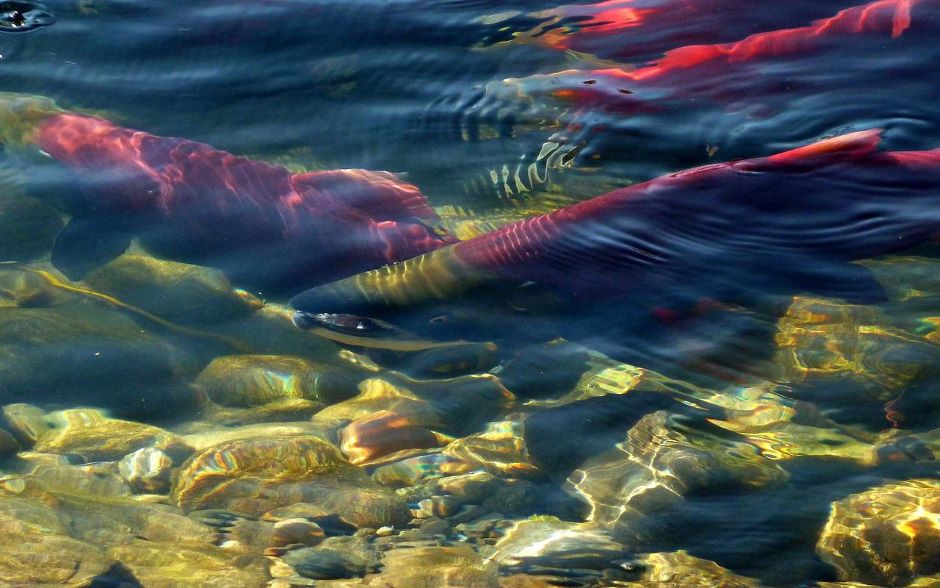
20,114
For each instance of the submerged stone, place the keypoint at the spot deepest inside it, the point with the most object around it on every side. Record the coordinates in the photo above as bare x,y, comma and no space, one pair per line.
177,292
256,475
93,436
334,559
499,449
37,551
254,380
453,406
285,410
435,567
147,470
168,565
88,355
201,436
885,536
27,228
681,569
663,459
549,546
383,433
825,339
414,469
26,422
44,473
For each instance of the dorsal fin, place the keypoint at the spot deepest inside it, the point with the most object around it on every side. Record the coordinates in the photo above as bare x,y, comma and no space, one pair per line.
850,146
378,195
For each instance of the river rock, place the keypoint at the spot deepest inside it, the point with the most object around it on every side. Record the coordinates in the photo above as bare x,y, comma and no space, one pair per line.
376,394
820,340
201,435
26,422
411,470
664,458
334,559
546,545
37,551
499,449
254,380
86,354
30,287
285,410
435,567
886,535
28,227
454,406
168,565
256,475
383,433
41,473
93,436
681,569
177,292
147,470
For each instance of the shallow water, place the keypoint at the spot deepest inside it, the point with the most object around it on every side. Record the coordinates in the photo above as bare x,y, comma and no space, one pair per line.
705,373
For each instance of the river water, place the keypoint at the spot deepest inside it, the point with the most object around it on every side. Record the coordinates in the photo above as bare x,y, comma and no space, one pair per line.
723,378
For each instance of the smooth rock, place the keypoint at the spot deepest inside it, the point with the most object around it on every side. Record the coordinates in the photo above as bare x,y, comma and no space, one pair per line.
89,355
93,436
382,433
256,475
178,292
254,380
663,459
886,535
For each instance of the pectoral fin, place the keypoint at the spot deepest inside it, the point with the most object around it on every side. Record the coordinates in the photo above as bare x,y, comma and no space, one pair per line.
86,243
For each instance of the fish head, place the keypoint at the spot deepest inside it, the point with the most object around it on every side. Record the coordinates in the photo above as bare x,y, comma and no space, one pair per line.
20,115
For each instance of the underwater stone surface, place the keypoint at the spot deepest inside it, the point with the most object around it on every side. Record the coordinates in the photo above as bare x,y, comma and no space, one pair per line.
663,459
87,355
174,291
256,475
27,228
886,535
255,380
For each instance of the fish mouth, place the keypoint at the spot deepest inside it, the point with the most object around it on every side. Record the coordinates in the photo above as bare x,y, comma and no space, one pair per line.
346,324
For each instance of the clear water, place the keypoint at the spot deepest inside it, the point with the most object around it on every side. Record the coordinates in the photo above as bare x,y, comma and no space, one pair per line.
456,97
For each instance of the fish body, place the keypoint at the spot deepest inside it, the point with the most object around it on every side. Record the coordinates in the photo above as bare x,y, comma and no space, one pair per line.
698,99
737,230
714,70
266,227
628,29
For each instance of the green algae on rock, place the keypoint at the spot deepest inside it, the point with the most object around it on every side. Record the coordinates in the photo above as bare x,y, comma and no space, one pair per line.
886,535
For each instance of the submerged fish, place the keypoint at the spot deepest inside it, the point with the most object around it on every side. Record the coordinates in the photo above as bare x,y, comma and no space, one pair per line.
263,225
731,231
733,95
626,29
705,70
